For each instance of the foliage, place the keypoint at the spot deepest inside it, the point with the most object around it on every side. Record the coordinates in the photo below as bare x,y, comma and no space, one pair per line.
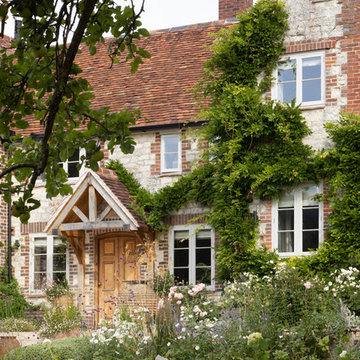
154,208
11,324
256,144
339,165
56,289
41,84
60,319
78,348
12,302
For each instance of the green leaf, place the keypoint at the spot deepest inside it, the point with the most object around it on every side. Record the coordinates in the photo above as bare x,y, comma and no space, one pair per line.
21,124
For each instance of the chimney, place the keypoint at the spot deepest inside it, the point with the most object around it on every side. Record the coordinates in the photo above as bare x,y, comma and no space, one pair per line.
228,9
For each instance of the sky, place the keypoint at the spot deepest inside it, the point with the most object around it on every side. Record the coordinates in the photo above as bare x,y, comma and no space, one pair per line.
163,14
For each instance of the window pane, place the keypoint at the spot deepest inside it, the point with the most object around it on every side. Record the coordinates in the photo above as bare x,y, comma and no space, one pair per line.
203,243
181,239
181,257
181,275
286,219
203,234
75,156
40,249
203,275
310,219
308,194
287,200
171,161
181,244
310,240
40,263
203,257
59,277
287,92
73,170
171,144
59,247
311,90
287,72
59,262
39,280
203,238
311,68
286,242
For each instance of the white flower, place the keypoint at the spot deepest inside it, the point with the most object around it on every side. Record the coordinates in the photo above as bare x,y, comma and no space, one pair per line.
326,288
308,285
343,354
197,347
169,343
46,341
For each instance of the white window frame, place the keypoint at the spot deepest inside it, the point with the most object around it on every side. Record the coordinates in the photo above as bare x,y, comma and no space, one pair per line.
65,164
298,230
298,58
193,229
49,260
162,152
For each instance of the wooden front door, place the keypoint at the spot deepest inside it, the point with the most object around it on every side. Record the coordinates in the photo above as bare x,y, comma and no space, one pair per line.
117,266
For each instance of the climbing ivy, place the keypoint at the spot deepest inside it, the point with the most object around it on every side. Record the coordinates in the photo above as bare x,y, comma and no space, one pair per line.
257,144
154,208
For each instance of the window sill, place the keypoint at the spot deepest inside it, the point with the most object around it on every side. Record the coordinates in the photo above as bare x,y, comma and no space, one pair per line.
312,107
286,255
175,173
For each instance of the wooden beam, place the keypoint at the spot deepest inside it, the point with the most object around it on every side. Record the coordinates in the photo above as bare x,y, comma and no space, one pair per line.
70,203
92,225
76,245
92,204
104,213
80,214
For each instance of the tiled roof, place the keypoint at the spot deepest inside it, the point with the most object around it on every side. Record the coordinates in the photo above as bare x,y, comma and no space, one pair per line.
118,188
161,88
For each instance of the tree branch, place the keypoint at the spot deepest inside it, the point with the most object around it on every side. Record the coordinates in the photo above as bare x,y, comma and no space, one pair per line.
17,166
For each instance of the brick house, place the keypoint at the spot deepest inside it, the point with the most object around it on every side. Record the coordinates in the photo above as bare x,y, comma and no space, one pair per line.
109,248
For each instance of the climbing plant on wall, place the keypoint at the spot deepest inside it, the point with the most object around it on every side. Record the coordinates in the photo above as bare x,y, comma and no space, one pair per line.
257,146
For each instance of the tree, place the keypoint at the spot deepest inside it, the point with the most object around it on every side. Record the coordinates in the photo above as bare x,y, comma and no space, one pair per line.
41,82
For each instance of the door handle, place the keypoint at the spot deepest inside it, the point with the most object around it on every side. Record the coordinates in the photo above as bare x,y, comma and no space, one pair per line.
99,284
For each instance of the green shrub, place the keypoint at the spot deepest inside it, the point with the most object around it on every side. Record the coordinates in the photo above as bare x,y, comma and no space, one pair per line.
78,348
12,302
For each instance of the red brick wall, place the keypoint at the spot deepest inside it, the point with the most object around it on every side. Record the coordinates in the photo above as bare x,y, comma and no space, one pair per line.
228,9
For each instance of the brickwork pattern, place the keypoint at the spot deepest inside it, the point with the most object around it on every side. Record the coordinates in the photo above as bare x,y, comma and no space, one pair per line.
228,9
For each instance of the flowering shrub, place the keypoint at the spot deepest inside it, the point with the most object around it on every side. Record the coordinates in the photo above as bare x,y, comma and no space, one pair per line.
344,284
60,319
284,316
14,324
